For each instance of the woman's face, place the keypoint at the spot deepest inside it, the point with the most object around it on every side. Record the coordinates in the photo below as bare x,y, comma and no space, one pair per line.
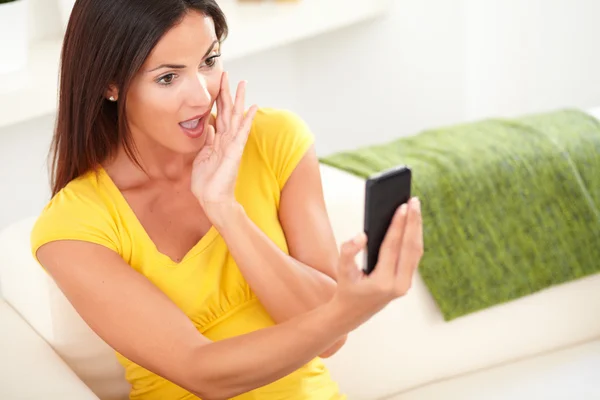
170,100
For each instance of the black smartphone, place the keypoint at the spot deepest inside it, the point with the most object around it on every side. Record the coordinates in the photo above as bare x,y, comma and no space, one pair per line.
384,193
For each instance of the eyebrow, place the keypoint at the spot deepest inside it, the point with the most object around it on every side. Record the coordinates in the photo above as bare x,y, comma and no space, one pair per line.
178,66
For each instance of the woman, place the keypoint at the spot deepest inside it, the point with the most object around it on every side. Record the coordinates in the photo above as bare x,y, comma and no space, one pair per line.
198,245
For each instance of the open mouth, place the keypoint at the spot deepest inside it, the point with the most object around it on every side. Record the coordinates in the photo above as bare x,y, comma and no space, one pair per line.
193,124
194,127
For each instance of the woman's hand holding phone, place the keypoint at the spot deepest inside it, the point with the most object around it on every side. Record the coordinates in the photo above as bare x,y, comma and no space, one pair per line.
360,295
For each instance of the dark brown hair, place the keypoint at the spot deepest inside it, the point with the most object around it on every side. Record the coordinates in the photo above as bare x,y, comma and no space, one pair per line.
106,43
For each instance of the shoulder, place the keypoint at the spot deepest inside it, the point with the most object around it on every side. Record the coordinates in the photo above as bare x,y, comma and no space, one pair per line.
82,210
268,120
282,138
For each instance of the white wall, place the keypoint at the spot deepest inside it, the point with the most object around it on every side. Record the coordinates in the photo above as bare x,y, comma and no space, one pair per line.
530,56
24,187
426,64
370,82
44,17
272,77
381,80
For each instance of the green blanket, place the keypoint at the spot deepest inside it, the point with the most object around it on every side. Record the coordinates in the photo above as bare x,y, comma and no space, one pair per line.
510,206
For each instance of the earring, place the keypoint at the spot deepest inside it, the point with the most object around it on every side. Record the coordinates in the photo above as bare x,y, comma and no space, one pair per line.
112,98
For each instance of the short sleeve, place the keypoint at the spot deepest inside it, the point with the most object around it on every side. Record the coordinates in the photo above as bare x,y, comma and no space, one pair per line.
75,215
283,138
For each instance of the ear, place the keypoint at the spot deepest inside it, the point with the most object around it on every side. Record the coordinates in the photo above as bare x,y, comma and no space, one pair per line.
112,93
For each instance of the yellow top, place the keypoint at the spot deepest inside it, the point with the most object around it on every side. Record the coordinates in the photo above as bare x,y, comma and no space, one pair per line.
206,284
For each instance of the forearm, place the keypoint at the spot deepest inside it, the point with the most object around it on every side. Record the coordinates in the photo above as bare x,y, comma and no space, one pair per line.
285,286
233,366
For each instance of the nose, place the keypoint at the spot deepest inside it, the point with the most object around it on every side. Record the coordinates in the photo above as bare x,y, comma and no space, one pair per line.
198,93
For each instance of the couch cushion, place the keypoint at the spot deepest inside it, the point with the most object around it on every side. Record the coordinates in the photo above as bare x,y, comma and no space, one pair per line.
565,374
29,368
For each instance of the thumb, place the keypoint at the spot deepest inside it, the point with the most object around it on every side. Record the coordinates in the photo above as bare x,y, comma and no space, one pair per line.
347,266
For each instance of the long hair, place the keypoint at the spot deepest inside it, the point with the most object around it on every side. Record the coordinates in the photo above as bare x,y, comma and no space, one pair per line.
106,43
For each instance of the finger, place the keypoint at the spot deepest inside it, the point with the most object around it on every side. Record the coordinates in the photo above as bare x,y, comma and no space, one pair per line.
220,120
208,147
347,268
412,247
389,251
224,103
237,115
210,136
244,131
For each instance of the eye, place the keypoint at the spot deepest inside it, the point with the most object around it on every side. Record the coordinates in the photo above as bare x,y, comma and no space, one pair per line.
166,79
211,61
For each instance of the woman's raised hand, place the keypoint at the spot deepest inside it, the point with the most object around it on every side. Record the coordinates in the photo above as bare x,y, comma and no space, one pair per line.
216,166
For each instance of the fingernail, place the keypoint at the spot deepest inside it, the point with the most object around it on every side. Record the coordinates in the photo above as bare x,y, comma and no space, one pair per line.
403,209
358,239
417,203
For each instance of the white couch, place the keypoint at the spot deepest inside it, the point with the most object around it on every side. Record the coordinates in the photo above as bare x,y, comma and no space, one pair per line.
550,339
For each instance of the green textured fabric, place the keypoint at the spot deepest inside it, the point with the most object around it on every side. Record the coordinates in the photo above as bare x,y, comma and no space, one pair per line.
510,206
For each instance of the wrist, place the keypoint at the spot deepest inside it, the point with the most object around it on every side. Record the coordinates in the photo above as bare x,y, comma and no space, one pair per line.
223,215
338,319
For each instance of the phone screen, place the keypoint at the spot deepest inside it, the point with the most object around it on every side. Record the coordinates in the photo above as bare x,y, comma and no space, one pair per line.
384,193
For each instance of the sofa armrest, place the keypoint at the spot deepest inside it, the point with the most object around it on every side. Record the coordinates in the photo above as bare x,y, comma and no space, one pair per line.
29,368
345,199
32,293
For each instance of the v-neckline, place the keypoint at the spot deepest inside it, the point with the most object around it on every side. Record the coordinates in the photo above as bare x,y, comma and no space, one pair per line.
125,207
